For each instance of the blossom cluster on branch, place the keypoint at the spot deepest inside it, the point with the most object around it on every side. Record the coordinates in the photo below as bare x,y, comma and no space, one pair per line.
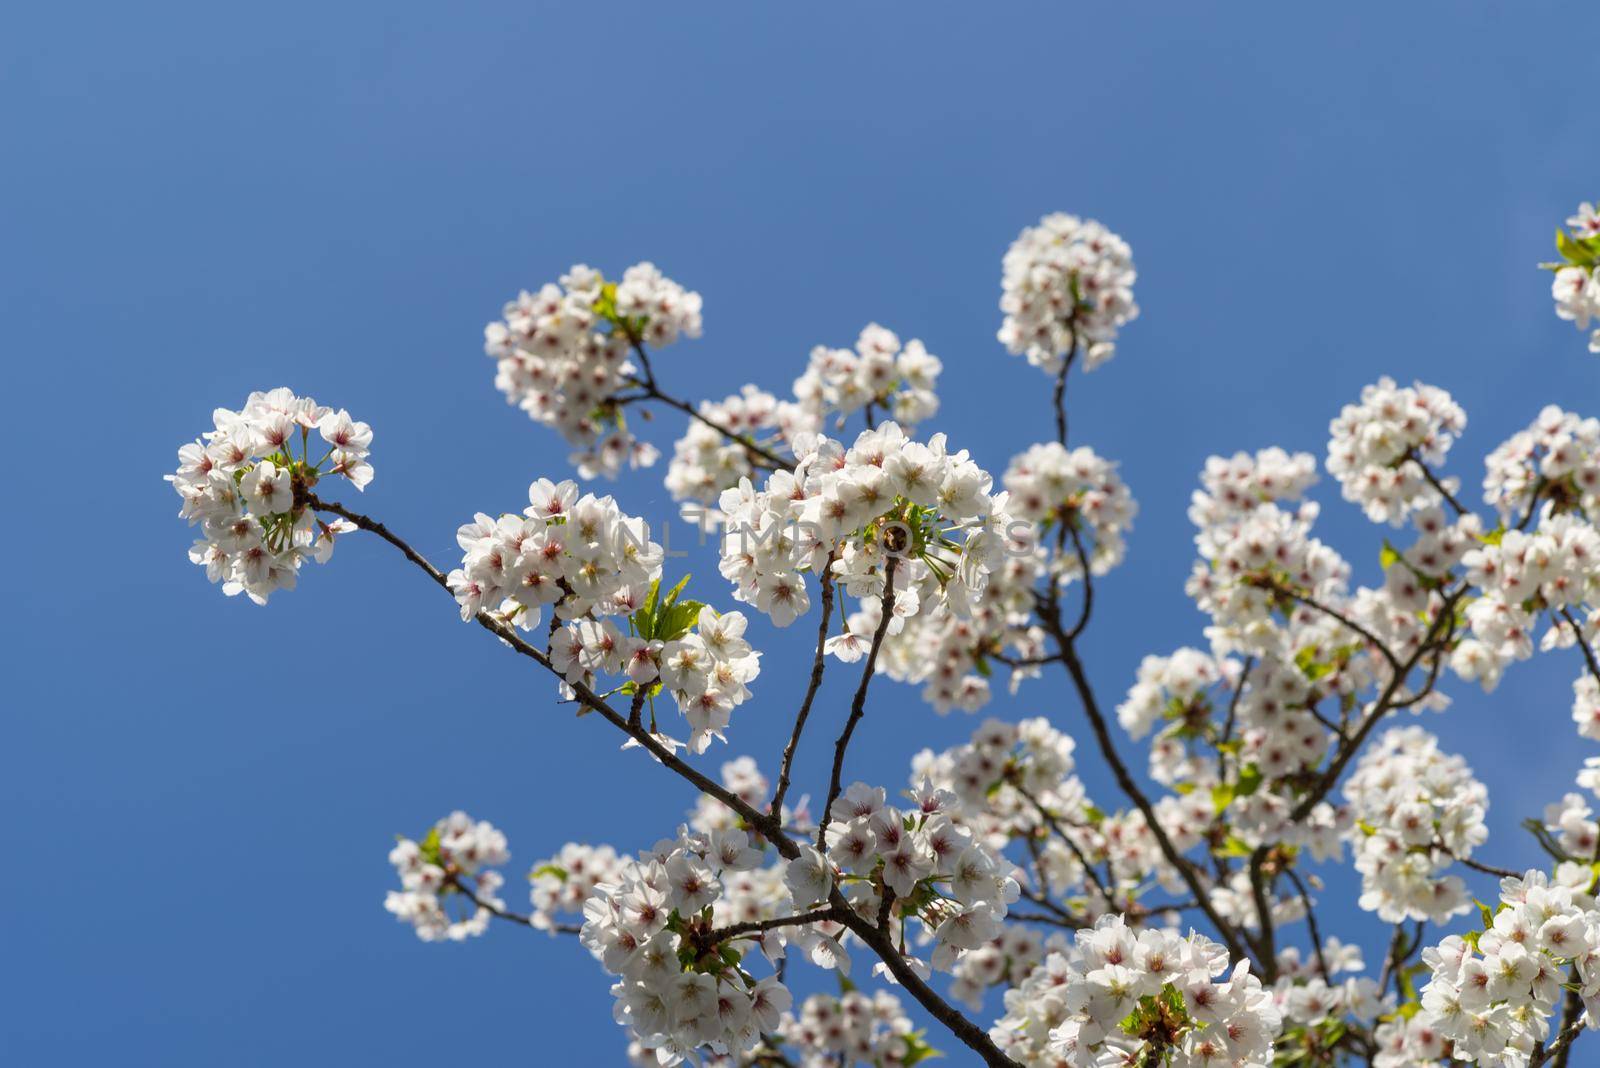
1173,920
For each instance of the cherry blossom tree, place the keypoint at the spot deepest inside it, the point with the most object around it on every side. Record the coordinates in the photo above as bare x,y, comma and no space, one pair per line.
1153,927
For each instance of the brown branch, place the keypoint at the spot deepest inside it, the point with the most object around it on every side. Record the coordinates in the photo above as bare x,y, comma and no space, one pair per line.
749,927
1266,937
818,665
1433,480
1060,832
653,392
1478,865
858,706
1589,658
1533,504
1061,385
1334,614
1380,709
1561,1048
1097,722
1088,586
974,1037
1311,922
507,914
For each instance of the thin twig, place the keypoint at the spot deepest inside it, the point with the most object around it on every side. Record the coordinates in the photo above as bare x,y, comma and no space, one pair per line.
749,927
818,665
505,913
1060,832
858,706
1433,480
1311,921
1061,385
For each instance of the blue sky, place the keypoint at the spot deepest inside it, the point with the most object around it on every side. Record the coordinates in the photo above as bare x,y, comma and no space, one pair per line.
201,200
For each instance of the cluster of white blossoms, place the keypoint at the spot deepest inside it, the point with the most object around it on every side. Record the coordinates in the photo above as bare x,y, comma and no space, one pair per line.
682,983
854,1028
938,872
458,847
1556,461
243,484
1119,993
1269,724
1251,562
1520,573
720,448
705,461
1077,493
1318,1008
1066,284
1571,820
1408,1042
595,565
706,671
561,885
850,510
1234,486
1492,993
1015,782
1167,687
581,554
564,352
1586,706
1576,285
1416,810
948,649
878,372
1379,446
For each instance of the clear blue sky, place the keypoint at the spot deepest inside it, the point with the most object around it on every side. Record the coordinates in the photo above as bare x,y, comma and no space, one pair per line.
200,200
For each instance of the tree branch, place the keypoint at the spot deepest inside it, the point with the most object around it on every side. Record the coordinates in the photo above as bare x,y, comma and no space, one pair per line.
858,706
749,927
1061,385
974,1037
507,914
818,665
1125,780
1438,486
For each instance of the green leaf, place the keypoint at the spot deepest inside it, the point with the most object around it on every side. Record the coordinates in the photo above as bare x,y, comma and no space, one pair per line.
430,846
1233,847
673,596
1221,797
644,619
917,1050
1249,781
1388,556
1579,253
1310,663
549,869
676,620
